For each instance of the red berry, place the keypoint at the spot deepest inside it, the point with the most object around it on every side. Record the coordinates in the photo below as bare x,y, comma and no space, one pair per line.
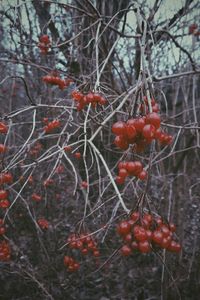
119,128
84,251
128,237
148,131
135,216
143,175
123,173
139,124
165,230
3,128
124,228
84,184
134,245
36,197
157,237
77,155
121,142
131,167
139,233
96,253
3,194
125,250
2,148
174,247
153,119
120,180
144,247
130,131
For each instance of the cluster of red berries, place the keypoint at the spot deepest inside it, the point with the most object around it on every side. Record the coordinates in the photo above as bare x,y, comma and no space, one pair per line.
144,107
85,99
71,264
44,44
6,178
130,168
43,223
3,128
193,29
84,243
146,233
2,227
139,131
54,79
5,251
4,202
51,126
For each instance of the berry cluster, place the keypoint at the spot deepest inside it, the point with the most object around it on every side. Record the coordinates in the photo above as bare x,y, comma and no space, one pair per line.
5,251
4,202
71,264
85,244
3,128
44,44
130,168
2,227
51,126
144,107
146,233
54,79
6,178
43,223
85,99
139,131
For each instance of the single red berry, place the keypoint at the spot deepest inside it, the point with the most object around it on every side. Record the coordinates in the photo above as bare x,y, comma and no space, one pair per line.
139,124
84,184
77,155
135,216
174,247
131,167
130,131
144,247
143,175
134,245
119,128
3,194
3,128
149,131
153,119
124,228
128,237
121,142
157,237
120,180
123,173
125,250
139,233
